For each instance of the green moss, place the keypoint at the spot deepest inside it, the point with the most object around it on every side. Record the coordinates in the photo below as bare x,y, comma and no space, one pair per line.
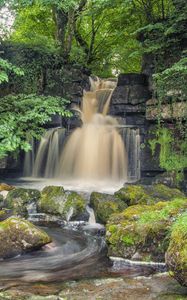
52,200
163,192
179,239
145,228
149,195
76,201
132,194
18,235
52,191
105,205
128,240
56,201
19,198
176,256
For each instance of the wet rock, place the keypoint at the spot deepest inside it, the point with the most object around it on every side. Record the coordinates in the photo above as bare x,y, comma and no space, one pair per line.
5,187
144,229
18,236
139,194
176,255
42,219
157,287
105,205
19,199
67,204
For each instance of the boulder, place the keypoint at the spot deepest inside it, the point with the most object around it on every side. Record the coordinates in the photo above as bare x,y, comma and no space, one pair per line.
140,194
5,187
19,199
176,255
144,229
67,204
18,236
105,205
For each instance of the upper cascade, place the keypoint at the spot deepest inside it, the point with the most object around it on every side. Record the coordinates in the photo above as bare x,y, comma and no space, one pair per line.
96,150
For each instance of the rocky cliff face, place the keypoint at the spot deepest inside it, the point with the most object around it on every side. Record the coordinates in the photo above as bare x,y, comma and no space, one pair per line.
129,104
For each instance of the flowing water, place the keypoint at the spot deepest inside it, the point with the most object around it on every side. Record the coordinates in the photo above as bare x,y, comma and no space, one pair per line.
95,151
73,254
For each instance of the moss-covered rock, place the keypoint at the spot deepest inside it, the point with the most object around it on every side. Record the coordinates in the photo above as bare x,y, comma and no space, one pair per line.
6,187
176,255
19,198
18,236
105,205
144,229
139,194
54,200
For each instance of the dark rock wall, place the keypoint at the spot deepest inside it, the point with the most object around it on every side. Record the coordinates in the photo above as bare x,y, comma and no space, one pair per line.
128,104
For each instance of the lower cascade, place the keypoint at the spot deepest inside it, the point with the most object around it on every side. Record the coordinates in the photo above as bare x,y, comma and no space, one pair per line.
101,149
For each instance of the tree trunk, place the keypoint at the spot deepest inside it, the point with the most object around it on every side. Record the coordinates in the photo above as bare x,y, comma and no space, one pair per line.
70,33
61,20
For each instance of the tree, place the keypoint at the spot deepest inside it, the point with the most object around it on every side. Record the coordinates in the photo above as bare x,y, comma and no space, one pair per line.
23,117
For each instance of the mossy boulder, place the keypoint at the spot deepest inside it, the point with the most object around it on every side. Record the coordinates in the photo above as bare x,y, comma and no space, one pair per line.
139,194
143,229
18,236
176,255
19,199
6,187
54,200
105,205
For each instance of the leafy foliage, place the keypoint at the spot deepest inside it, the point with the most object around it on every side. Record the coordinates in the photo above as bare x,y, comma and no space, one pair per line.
172,81
6,68
24,116
173,151
98,34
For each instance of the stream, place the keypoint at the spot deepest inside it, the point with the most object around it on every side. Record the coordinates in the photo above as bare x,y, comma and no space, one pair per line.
75,266
73,254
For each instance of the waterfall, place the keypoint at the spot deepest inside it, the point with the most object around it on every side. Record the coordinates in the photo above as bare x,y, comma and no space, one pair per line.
46,159
95,151
131,139
101,149
91,215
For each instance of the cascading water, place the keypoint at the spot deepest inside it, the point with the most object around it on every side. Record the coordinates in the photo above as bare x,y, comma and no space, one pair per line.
94,151
45,161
